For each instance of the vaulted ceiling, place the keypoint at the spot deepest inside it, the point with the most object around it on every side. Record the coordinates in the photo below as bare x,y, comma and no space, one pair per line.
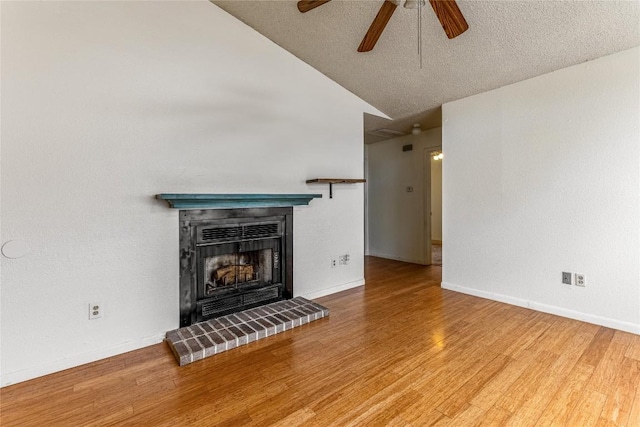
507,41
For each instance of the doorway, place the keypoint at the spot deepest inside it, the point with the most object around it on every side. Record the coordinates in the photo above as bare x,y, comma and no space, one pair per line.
433,159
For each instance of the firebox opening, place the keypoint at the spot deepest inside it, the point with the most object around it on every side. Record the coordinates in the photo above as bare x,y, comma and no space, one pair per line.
238,269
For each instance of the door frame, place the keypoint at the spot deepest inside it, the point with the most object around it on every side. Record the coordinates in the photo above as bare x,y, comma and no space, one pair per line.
426,202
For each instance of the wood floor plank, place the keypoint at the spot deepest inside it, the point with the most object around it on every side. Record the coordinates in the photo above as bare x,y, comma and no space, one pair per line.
494,389
399,351
526,386
526,338
565,399
463,395
587,412
298,418
605,376
622,391
602,422
634,415
633,352
418,414
554,378
495,417
598,346
471,416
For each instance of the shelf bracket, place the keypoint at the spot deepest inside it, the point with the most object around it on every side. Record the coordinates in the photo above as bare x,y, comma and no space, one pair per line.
332,181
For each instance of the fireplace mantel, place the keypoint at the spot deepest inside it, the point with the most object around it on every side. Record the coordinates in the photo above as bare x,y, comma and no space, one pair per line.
224,201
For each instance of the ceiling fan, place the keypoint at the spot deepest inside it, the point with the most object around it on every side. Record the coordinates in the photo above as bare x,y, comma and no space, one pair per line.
447,12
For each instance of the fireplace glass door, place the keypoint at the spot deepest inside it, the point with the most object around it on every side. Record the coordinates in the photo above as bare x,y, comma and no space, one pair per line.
229,267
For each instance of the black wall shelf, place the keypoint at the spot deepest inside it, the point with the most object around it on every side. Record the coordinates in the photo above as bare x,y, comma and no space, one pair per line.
332,181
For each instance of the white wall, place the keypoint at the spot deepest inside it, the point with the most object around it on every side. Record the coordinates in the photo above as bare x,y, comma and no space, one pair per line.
436,199
396,217
104,105
541,177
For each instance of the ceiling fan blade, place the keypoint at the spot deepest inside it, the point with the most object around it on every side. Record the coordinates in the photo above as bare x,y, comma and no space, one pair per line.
450,17
307,5
377,26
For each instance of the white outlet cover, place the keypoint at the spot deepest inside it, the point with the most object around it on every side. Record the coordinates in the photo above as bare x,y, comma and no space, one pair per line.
15,249
100,310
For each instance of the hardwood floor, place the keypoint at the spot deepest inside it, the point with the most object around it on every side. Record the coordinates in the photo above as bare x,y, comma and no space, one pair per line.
400,351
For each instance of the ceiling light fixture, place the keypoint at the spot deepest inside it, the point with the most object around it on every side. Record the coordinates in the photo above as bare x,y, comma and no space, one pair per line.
416,129
437,155
414,4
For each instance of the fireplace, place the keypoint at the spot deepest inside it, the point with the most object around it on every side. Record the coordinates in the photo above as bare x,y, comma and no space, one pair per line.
233,259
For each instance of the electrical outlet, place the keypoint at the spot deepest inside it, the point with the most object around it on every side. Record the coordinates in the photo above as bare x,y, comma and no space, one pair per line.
95,310
566,278
580,280
334,262
344,259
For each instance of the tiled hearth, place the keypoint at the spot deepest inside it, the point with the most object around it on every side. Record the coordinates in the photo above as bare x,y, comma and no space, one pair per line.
214,336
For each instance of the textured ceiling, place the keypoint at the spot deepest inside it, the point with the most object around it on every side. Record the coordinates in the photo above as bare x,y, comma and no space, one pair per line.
508,41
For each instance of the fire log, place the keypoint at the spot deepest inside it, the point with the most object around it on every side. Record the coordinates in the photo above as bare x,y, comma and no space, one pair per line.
233,274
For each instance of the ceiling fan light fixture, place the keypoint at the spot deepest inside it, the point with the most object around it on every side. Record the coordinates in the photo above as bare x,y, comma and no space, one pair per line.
414,4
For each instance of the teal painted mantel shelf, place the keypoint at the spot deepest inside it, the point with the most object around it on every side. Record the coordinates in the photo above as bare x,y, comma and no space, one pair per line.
220,201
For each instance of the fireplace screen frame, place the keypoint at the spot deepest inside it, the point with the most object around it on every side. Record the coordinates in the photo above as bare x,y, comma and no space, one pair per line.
238,248
192,222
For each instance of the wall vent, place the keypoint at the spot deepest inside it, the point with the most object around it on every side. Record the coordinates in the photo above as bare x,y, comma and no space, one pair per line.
239,232
386,133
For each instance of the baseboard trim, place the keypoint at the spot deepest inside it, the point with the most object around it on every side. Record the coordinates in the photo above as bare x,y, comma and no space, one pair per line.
546,308
334,289
9,378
